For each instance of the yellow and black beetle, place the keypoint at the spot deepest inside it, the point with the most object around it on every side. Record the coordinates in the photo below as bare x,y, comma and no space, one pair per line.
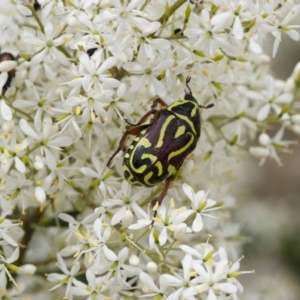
162,142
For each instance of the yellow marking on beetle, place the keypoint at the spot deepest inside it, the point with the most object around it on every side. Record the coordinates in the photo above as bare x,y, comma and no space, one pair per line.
127,155
137,139
130,178
147,177
152,157
183,117
181,150
142,168
187,120
180,131
131,147
125,168
139,170
145,142
163,130
171,169
159,166
194,110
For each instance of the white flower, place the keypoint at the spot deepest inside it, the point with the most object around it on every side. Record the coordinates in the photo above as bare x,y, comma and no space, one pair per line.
204,36
124,15
149,288
95,72
271,146
101,177
5,228
234,15
165,223
203,252
49,141
272,97
6,266
185,286
118,103
46,43
116,265
64,279
233,270
126,202
283,27
200,205
39,101
5,110
149,70
212,279
95,289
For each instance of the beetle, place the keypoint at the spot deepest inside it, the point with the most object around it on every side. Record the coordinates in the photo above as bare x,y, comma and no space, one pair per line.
162,142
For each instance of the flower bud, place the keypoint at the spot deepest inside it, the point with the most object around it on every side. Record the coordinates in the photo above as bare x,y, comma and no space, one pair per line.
127,218
134,260
27,269
7,65
263,59
72,21
259,152
40,194
264,139
38,165
152,267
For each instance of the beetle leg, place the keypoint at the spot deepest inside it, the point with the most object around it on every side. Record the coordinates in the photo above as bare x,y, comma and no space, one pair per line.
207,106
160,101
144,118
153,111
162,195
135,130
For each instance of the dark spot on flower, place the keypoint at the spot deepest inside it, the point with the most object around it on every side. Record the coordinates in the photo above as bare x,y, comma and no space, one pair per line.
3,57
36,5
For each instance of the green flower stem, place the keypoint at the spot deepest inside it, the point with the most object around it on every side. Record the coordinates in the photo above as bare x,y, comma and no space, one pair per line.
62,31
20,111
30,26
64,51
141,235
173,8
36,17
170,247
145,4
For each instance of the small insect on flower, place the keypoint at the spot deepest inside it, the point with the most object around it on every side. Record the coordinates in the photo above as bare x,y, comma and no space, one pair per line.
162,142
36,5
4,57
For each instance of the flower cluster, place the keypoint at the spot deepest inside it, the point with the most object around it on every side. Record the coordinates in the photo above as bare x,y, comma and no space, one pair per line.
72,75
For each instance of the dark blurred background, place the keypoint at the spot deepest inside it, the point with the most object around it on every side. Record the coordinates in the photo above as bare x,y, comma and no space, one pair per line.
271,208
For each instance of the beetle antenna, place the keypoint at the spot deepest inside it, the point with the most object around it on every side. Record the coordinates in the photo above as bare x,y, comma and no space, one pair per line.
207,106
187,81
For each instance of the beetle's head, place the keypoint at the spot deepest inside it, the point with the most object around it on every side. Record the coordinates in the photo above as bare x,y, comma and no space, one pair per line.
190,97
